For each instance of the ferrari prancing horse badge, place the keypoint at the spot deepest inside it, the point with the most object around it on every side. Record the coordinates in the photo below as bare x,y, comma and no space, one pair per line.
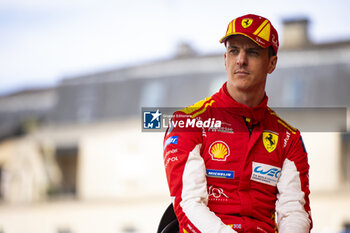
270,140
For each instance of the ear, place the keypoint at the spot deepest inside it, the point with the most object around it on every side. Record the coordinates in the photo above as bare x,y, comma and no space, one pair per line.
225,56
272,64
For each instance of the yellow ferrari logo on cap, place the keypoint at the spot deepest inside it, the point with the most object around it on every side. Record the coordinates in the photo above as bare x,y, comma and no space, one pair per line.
246,22
270,140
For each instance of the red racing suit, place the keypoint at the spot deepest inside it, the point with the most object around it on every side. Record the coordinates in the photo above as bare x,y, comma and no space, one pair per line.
230,168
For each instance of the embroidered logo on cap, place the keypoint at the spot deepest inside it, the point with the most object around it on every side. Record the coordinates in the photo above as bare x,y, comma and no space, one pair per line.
246,22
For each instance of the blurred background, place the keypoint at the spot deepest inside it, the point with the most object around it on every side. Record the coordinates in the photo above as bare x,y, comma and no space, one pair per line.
75,74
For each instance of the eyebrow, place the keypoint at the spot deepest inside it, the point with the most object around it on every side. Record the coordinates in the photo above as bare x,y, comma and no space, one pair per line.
255,48
249,48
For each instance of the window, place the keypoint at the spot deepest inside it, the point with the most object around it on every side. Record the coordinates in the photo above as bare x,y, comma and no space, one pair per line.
66,159
345,159
293,92
152,94
86,103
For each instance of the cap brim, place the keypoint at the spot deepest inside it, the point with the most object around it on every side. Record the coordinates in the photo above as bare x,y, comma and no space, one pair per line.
246,35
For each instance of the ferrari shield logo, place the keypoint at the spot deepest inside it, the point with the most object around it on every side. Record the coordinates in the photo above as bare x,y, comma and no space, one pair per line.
270,140
246,22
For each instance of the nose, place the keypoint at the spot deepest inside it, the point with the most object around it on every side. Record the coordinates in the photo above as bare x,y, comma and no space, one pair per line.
241,58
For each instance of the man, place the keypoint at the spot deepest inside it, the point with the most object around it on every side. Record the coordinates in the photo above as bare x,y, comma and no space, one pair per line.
233,163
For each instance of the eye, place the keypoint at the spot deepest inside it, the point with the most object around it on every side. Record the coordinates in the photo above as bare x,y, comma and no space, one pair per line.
234,51
253,52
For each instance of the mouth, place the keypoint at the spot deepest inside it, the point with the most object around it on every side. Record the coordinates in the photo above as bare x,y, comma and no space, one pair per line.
241,72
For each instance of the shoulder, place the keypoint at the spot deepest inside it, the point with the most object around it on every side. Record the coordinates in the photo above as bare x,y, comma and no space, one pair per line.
185,126
290,137
197,109
281,124
194,118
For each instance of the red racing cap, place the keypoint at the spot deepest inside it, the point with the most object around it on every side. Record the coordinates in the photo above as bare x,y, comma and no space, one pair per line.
257,28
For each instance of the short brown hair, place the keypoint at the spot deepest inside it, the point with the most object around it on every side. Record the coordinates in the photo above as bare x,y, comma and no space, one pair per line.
271,51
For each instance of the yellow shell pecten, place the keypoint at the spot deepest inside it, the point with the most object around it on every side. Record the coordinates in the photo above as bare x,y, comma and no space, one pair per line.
219,151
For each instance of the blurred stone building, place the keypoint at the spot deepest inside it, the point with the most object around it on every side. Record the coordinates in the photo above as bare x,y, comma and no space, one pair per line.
73,158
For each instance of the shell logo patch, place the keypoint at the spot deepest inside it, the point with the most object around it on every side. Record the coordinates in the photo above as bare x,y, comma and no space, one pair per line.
219,151
246,22
270,140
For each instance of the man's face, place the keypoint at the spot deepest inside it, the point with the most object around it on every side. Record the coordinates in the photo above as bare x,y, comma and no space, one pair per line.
247,64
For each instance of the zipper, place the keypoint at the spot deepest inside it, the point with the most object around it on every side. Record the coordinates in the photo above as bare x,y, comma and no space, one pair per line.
250,126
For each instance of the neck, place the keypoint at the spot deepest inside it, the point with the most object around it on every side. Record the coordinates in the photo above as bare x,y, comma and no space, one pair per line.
248,98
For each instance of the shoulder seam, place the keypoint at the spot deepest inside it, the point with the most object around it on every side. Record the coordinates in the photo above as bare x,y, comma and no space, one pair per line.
199,107
282,122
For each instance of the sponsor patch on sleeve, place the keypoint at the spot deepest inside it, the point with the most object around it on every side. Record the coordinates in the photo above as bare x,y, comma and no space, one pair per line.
265,173
220,174
171,140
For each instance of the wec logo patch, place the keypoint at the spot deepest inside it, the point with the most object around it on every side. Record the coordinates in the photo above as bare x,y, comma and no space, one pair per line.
266,174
